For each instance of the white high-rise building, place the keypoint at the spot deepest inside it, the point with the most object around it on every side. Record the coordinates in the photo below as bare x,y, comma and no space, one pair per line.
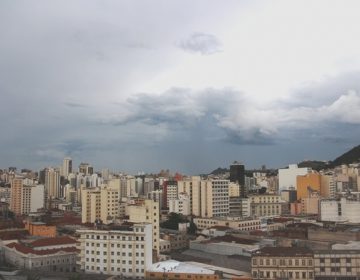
287,176
37,197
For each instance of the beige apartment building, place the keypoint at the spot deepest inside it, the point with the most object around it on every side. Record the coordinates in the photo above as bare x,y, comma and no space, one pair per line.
90,205
16,196
101,203
146,211
208,198
282,263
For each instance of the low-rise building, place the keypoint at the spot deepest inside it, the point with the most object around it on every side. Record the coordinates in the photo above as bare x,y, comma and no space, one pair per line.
282,263
177,241
234,223
337,264
226,245
342,210
40,229
172,270
266,205
49,254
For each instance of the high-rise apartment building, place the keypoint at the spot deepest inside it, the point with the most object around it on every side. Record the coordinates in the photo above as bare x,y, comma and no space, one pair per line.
305,183
328,185
52,183
118,250
208,198
16,196
86,168
146,211
237,175
25,198
170,192
66,167
100,204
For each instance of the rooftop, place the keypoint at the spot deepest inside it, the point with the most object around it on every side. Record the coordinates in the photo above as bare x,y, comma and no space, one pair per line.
53,241
177,267
283,251
230,239
337,252
27,250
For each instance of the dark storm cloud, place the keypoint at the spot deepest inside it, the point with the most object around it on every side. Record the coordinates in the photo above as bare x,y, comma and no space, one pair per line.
240,120
202,43
257,138
180,108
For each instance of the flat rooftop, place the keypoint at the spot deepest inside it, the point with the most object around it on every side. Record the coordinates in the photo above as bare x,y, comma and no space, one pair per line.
178,267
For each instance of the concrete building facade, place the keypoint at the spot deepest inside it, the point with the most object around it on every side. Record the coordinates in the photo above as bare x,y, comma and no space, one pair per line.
123,250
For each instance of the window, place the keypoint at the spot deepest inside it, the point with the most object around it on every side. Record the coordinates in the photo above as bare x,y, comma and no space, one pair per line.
254,274
348,260
290,274
322,269
297,275
310,262
322,260
261,262
267,262
348,269
310,275
304,275
254,261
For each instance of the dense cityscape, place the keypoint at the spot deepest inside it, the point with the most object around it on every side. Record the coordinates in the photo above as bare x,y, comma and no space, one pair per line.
179,140
76,222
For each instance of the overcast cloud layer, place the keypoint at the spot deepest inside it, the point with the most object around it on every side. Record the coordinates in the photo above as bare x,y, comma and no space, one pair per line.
184,85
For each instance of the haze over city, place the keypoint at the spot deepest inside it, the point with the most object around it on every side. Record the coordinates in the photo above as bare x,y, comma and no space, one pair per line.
184,85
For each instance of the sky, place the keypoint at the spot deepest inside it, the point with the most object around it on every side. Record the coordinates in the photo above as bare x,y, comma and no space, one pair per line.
182,85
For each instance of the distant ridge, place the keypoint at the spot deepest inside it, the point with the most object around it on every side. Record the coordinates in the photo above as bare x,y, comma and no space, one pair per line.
349,157
314,164
219,171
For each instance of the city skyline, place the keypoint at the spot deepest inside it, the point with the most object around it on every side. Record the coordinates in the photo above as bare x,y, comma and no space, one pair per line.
139,86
